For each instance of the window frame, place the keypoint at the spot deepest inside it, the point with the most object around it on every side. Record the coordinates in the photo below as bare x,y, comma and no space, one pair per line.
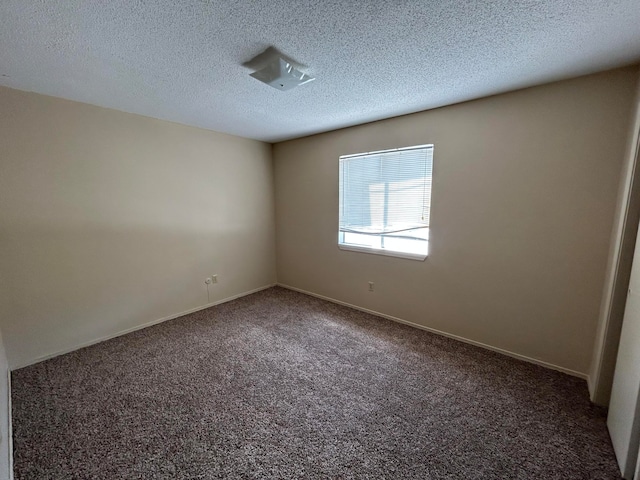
383,251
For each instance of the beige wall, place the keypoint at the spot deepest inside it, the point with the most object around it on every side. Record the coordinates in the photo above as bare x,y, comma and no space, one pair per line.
523,201
110,220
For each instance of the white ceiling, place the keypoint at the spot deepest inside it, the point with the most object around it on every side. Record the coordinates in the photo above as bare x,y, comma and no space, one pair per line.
182,60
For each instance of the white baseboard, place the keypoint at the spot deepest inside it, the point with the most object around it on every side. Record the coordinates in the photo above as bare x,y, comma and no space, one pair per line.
333,300
518,356
138,327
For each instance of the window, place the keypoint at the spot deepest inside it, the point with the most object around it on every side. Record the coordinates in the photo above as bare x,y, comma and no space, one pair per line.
385,201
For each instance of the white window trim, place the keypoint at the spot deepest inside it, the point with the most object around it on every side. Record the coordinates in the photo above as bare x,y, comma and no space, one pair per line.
385,252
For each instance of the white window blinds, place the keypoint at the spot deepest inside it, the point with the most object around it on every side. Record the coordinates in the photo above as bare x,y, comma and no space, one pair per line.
385,199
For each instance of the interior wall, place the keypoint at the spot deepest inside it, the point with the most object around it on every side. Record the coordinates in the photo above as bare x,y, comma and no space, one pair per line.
111,220
523,202
622,245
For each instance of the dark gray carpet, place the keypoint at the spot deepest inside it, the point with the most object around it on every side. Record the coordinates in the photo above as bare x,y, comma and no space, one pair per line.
283,385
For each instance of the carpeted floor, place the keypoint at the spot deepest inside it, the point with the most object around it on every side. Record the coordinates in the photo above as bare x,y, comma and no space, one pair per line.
282,385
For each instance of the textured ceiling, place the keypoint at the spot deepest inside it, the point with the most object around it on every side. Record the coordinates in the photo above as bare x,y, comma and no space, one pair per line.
182,60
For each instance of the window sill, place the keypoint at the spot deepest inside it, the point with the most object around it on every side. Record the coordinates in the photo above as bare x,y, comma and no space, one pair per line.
378,251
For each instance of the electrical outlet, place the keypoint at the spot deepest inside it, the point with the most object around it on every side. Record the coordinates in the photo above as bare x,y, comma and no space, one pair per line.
208,281
371,286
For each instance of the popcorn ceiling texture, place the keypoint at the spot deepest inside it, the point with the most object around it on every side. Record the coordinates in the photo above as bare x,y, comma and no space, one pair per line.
182,60
280,385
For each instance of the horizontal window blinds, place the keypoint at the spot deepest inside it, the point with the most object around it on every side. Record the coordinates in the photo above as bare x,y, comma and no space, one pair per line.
386,192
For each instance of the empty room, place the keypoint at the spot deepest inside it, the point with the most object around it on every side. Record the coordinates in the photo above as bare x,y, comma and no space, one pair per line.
305,239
